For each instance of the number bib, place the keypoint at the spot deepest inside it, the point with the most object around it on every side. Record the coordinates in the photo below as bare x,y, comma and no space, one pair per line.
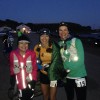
81,82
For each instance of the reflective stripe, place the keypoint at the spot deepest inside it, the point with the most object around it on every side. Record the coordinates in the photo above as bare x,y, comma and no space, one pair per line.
20,93
28,61
17,80
30,76
23,78
15,60
22,71
23,74
16,64
22,67
21,64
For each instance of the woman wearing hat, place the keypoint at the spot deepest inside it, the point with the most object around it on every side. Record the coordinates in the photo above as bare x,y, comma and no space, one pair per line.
72,53
49,65
23,69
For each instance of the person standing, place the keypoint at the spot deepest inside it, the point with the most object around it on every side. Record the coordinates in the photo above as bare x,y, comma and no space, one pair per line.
50,65
23,69
8,43
72,54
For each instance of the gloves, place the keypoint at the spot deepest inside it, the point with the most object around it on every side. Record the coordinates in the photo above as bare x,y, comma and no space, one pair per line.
64,73
31,84
53,83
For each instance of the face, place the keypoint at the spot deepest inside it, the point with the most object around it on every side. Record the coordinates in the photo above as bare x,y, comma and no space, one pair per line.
44,39
23,46
63,32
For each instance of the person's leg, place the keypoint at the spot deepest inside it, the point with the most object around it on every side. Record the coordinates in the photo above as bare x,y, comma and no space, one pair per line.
81,89
45,90
69,89
53,92
81,93
45,86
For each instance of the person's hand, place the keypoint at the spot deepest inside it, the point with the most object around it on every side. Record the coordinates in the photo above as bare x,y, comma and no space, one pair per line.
31,84
39,66
43,71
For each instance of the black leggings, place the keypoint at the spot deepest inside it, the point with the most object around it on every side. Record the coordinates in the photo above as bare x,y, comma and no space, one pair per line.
70,86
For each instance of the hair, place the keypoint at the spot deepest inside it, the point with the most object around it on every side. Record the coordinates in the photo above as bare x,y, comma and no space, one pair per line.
46,31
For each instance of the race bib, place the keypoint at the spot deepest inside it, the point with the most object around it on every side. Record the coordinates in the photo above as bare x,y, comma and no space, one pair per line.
53,83
81,82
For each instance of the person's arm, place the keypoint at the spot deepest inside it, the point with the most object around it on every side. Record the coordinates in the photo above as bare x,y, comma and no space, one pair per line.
12,75
34,65
56,67
37,50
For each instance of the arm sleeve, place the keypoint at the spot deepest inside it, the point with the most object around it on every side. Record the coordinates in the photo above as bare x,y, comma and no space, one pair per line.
12,76
34,64
56,66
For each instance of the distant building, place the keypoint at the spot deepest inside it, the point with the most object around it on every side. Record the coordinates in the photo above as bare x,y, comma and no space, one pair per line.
23,28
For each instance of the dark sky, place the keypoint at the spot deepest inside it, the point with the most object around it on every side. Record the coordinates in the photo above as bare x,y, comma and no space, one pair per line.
84,12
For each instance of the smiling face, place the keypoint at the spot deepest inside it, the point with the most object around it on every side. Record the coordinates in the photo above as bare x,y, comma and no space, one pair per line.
63,32
44,39
23,46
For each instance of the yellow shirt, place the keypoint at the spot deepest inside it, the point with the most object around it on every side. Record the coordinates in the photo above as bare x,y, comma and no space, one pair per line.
44,55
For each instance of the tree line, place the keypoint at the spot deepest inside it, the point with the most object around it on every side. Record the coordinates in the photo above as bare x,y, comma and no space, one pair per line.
73,27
